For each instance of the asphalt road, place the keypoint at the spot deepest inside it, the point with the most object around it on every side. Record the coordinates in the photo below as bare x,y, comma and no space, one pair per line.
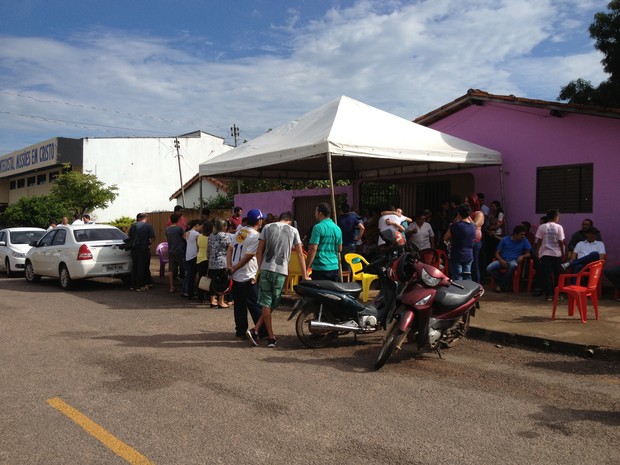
102,375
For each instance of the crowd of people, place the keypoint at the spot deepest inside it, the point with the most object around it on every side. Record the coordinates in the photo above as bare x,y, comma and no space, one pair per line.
219,261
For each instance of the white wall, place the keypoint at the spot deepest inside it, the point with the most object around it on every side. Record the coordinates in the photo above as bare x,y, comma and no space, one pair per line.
145,170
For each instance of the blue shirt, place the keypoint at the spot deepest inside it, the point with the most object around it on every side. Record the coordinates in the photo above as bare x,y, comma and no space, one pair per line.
462,241
510,249
348,224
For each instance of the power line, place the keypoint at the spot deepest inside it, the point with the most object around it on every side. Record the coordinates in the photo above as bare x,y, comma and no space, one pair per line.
106,110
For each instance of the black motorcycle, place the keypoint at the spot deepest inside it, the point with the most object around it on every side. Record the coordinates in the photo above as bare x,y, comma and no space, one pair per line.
329,309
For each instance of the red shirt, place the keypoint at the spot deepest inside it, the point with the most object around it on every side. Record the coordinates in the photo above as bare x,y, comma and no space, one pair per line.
235,220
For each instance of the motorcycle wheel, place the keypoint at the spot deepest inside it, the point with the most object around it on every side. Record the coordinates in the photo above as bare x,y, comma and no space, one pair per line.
310,338
390,344
457,334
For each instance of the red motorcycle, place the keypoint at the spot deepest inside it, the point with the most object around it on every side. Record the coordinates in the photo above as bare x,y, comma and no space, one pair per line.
433,310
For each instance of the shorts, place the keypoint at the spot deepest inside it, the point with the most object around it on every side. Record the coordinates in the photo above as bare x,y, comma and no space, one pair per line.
175,262
270,288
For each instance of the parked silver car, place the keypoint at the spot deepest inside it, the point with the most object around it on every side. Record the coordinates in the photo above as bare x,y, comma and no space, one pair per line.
14,243
78,252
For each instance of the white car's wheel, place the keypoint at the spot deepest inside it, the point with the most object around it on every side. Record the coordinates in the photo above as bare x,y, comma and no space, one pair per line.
7,268
31,276
65,278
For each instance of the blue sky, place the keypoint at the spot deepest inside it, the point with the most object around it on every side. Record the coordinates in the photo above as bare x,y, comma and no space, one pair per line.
144,68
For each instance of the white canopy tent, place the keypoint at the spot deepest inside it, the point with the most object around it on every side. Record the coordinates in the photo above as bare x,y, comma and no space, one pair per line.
347,139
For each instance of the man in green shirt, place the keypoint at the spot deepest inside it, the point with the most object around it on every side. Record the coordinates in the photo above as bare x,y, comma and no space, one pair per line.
325,245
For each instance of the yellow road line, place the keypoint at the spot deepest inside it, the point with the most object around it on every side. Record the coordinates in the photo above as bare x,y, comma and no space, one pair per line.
107,439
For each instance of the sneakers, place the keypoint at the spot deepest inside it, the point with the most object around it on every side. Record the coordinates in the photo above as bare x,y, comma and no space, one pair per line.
565,265
252,336
271,343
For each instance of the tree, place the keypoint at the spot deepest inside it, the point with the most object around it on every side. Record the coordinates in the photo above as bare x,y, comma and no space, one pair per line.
82,192
36,211
605,30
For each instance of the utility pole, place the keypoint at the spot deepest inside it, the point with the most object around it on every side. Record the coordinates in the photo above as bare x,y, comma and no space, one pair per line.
177,145
234,131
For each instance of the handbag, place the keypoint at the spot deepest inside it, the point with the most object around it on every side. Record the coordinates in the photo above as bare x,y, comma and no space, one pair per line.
130,243
204,284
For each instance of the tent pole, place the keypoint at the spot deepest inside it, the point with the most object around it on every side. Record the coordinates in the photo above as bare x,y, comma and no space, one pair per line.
502,193
334,211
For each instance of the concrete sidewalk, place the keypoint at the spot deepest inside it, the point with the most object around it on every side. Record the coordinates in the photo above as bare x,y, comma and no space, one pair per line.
524,319
521,319
509,318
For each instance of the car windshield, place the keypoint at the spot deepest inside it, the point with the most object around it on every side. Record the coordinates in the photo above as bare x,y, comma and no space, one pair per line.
25,237
87,235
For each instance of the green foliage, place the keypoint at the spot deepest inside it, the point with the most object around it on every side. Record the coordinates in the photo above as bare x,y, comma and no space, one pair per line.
123,223
605,30
36,211
219,201
268,185
82,192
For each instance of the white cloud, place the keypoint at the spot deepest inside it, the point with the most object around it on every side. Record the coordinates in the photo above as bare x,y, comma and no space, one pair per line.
403,57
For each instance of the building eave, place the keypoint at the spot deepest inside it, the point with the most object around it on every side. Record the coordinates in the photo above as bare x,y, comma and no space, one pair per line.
479,98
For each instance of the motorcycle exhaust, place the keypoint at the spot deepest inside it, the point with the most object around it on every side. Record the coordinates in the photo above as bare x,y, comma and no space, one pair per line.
321,326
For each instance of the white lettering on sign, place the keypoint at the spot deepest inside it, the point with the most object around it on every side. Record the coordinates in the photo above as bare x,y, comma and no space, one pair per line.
30,158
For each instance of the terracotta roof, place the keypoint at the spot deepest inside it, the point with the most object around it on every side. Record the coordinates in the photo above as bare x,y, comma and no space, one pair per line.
478,97
219,183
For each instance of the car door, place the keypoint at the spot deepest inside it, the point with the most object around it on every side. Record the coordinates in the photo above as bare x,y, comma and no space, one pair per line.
3,248
41,256
57,251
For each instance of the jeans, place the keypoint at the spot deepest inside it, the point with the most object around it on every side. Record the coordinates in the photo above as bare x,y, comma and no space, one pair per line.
475,266
577,265
245,295
190,277
326,275
460,270
502,279
549,266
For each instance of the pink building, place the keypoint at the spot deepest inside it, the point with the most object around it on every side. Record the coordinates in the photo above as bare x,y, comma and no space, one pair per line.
555,155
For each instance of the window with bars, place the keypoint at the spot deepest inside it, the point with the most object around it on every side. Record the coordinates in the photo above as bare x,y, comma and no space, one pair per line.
565,188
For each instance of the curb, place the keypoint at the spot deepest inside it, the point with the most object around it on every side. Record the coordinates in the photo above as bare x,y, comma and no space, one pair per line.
580,350
533,342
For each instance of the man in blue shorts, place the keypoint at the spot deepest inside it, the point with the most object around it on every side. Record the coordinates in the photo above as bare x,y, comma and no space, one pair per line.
275,243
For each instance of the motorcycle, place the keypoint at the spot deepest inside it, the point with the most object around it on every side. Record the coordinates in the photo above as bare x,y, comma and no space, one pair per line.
328,309
433,311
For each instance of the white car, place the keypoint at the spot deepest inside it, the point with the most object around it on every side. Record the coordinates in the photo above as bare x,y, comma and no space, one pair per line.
14,243
79,252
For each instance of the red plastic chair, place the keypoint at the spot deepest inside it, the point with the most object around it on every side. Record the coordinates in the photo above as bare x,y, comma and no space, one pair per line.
430,257
443,262
516,278
579,293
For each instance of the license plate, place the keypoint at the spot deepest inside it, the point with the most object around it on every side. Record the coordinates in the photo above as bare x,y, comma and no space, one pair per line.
113,267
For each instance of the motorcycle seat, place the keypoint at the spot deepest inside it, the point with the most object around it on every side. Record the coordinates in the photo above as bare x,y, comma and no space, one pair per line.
451,297
348,288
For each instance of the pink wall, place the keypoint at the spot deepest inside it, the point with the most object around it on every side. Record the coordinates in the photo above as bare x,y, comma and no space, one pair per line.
530,137
281,201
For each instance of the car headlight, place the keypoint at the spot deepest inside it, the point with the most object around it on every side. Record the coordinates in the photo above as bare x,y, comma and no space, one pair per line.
429,280
18,255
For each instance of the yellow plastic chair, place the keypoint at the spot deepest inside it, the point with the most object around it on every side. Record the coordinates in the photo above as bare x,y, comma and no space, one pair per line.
357,262
294,272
